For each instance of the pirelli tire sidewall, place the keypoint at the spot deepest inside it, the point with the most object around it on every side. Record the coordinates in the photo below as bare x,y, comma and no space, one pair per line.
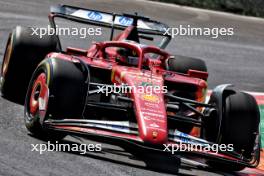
67,93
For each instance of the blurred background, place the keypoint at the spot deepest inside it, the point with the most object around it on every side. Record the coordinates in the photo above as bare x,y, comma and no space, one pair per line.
244,7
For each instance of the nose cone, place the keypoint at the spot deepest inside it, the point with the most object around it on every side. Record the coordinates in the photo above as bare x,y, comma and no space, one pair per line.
152,118
148,95
154,136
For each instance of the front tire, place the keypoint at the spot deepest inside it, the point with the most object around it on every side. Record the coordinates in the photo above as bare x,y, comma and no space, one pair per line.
240,127
57,90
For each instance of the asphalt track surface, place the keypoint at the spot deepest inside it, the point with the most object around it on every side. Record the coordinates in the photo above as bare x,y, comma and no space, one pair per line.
238,60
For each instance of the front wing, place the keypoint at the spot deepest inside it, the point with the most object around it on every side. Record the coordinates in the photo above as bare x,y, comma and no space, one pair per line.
128,132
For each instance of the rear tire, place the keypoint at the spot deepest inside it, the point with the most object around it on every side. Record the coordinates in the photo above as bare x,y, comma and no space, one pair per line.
182,64
60,85
22,55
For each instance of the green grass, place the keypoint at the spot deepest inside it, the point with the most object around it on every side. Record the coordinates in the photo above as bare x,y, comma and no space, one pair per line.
261,108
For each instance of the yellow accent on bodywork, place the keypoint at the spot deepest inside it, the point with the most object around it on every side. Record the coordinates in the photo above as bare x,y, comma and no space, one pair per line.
122,74
112,75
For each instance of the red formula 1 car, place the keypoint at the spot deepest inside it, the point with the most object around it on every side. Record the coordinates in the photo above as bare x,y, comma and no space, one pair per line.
127,90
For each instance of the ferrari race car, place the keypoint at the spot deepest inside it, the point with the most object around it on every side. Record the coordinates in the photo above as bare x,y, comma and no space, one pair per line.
128,90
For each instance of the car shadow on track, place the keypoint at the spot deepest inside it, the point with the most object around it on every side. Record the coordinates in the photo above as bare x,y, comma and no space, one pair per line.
136,157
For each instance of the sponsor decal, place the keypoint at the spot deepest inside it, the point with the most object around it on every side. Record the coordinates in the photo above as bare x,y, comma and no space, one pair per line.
152,118
184,137
125,21
153,110
95,16
154,125
145,84
154,134
151,105
42,104
150,76
150,98
153,114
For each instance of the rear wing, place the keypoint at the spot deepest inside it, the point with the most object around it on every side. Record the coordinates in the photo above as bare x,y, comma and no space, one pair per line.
108,19
111,20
